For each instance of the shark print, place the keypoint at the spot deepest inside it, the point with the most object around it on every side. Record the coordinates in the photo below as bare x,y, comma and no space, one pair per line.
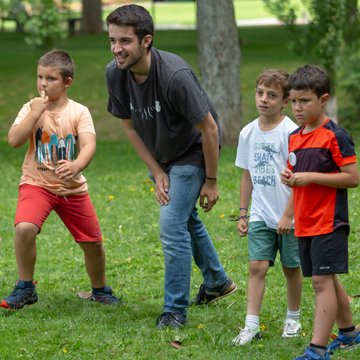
264,167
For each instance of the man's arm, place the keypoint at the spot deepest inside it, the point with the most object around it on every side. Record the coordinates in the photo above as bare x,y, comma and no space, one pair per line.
210,145
87,146
246,188
161,179
347,178
20,133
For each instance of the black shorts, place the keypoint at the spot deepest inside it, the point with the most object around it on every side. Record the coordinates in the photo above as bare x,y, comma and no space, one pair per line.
324,254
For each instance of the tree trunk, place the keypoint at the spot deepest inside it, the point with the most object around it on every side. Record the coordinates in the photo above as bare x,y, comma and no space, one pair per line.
219,63
92,17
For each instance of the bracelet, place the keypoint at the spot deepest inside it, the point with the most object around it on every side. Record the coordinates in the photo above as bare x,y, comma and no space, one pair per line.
243,209
245,217
209,178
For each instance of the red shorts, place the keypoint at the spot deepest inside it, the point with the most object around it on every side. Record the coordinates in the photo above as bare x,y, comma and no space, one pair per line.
76,211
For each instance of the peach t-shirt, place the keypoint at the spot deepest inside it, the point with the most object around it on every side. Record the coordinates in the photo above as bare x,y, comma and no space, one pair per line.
55,137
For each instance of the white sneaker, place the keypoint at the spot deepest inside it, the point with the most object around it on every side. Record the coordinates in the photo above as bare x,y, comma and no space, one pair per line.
246,336
291,328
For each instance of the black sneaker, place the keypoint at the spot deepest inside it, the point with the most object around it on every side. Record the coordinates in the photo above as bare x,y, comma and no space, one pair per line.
171,320
105,297
20,296
207,296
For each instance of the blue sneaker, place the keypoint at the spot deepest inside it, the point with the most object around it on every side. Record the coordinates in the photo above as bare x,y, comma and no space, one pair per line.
105,297
20,296
171,320
310,354
343,342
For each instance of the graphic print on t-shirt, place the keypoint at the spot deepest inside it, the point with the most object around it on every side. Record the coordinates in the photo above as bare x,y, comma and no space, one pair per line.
50,150
147,111
264,170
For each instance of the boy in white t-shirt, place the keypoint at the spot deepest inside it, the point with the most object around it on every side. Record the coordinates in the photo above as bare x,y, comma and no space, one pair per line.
262,153
62,143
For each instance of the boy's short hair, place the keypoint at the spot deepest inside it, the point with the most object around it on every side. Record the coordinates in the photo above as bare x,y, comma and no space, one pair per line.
137,17
59,60
275,77
310,77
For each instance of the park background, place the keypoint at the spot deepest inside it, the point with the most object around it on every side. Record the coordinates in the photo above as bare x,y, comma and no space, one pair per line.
61,324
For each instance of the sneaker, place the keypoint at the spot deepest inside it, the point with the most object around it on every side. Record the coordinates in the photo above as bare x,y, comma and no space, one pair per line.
171,320
246,336
20,296
291,328
208,295
310,354
105,297
343,342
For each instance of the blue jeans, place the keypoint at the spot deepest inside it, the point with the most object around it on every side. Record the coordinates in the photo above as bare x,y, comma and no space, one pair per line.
183,234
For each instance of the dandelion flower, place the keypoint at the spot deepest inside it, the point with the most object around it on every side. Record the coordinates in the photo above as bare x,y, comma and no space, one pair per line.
152,189
132,189
64,351
103,239
111,197
222,216
262,327
200,326
195,270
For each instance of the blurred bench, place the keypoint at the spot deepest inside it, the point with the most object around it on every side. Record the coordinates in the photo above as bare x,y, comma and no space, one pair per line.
71,22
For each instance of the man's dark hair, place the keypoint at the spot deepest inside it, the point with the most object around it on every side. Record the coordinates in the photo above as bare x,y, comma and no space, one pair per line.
59,60
310,77
137,17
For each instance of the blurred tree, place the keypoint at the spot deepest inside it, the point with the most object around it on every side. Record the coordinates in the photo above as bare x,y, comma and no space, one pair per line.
14,10
92,17
219,63
43,27
328,40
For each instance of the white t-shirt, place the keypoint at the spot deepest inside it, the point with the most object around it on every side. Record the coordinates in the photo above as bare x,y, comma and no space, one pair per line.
265,154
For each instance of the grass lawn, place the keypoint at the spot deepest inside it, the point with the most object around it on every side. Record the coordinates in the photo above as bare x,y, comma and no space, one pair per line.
61,325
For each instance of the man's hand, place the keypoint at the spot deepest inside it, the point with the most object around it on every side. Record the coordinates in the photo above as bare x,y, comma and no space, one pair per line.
39,104
209,191
67,170
161,188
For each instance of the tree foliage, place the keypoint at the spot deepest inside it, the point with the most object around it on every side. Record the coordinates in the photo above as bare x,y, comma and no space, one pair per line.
44,28
331,35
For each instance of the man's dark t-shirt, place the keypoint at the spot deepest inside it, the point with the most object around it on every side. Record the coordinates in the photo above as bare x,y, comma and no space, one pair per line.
164,108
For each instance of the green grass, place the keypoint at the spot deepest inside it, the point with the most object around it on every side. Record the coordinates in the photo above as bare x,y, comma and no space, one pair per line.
61,321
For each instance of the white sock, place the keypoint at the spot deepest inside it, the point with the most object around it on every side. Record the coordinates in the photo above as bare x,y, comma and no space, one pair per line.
252,322
293,315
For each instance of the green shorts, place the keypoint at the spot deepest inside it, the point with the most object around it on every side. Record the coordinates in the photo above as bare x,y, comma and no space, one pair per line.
264,243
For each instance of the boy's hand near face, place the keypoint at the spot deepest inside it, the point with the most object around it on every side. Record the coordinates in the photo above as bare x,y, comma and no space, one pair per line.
38,104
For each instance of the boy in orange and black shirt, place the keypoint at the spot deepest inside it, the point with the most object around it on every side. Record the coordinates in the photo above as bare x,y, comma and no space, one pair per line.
321,166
